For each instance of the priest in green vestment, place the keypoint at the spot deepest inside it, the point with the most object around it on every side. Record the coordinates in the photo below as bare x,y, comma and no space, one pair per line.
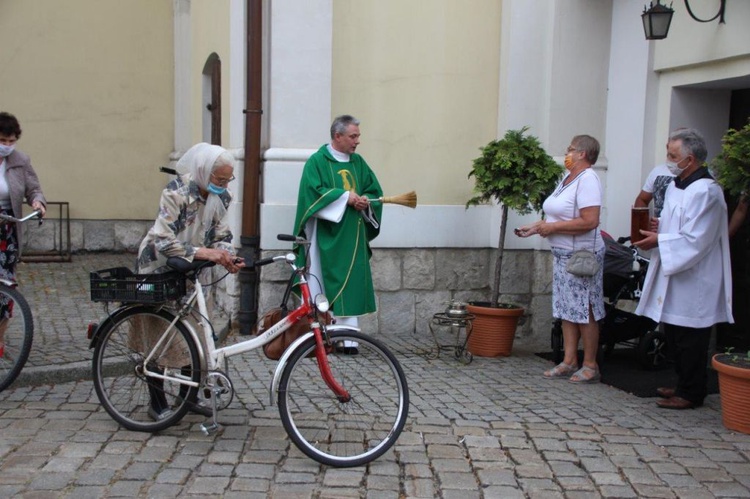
334,212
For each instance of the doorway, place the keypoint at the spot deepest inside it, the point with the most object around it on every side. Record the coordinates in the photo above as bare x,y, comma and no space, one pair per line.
737,335
212,100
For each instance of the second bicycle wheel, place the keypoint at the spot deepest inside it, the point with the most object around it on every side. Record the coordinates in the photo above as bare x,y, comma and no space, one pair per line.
138,401
352,433
16,334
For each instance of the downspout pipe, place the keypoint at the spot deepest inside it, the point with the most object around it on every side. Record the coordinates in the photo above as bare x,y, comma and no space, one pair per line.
250,236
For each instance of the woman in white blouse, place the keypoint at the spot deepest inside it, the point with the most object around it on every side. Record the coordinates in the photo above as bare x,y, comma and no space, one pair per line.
571,223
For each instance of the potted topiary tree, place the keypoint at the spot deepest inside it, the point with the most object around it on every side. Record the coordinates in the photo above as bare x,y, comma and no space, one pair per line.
518,174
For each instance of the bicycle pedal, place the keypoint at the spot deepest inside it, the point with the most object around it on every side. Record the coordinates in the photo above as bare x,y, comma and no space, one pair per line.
218,388
210,429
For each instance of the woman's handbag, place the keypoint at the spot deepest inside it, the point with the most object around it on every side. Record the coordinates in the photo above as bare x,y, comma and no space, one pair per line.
582,263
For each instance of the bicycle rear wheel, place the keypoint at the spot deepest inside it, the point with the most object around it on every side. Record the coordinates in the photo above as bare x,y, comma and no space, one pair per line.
352,433
16,331
136,401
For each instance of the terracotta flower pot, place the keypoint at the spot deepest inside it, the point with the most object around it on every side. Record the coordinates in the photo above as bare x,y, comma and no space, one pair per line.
493,330
734,388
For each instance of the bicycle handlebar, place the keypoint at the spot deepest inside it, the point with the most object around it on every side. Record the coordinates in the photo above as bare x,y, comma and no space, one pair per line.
182,265
263,261
33,214
166,169
286,258
293,239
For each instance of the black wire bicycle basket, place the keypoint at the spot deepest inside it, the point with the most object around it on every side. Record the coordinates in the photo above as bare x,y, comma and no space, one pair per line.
120,284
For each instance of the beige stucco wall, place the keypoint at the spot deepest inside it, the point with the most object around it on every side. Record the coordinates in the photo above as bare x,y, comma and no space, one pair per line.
690,42
91,83
210,34
423,78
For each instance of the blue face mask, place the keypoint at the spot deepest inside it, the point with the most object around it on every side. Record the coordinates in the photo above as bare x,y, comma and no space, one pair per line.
5,151
215,189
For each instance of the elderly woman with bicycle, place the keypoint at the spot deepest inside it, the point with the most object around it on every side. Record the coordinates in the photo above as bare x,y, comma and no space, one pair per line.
193,217
192,224
18,181
155,357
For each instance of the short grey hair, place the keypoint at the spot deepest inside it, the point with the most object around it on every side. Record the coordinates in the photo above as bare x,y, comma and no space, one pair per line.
693,143
340,124
589,145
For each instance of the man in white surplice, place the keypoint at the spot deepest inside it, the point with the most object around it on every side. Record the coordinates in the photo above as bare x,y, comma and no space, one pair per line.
688,286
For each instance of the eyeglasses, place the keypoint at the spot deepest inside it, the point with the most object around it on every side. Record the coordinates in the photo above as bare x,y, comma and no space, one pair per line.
223,181
571,149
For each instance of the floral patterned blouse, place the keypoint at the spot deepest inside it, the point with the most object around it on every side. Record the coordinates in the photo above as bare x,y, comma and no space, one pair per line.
178,229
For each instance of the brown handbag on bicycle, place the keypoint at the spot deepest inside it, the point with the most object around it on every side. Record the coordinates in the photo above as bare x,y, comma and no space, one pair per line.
275,349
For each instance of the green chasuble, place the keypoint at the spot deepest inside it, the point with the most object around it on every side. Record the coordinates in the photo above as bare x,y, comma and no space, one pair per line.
344,246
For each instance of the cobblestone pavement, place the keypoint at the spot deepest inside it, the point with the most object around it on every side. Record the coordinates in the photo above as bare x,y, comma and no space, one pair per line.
492,428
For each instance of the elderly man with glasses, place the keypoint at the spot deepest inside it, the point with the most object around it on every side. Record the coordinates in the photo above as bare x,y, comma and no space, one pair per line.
334,212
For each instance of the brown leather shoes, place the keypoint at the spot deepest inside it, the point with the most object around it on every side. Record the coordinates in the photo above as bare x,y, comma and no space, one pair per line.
676,403
665,393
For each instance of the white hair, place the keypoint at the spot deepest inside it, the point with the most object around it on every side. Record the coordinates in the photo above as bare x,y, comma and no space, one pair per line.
200,161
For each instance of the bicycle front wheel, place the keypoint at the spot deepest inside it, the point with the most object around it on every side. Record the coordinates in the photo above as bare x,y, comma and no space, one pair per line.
138,401
16,333
352,433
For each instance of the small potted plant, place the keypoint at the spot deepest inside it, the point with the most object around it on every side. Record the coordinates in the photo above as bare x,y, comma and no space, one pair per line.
518,174
734,389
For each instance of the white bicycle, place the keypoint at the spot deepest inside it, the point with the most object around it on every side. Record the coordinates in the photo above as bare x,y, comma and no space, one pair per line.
339,409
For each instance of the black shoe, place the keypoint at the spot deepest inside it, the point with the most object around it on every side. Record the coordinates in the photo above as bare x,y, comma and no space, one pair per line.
340,348
157,415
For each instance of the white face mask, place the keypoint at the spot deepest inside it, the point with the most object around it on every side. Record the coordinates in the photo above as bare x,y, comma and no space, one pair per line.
6,150
674,168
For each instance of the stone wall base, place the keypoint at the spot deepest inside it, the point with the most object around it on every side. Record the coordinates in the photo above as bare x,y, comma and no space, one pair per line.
413,284
86,235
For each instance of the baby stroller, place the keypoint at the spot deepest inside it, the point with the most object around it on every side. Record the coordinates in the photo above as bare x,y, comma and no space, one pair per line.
624,273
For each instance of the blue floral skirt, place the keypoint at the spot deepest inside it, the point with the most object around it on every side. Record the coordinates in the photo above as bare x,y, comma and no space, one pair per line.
571,295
